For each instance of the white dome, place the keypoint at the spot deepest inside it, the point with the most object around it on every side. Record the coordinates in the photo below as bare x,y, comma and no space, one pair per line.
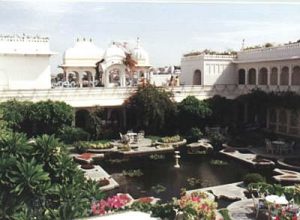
140,55
84,50
114,52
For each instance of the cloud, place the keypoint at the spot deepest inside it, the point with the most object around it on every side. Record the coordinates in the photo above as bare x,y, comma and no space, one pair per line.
252,32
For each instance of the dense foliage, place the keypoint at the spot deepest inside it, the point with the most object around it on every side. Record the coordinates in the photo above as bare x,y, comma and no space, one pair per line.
151,109
45,117
70,135
253,178
192,112
40,181
222,111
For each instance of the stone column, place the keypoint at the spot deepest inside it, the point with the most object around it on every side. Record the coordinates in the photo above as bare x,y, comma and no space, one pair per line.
278,75
246,76
93,79
106,78
269,76
257,75
122,77
67,76
80,79
290,74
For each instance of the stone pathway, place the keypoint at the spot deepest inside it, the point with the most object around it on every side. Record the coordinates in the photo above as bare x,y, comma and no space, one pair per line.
242,210
98,173
233,191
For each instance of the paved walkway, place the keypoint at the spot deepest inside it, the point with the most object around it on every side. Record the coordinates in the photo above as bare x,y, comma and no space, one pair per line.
99,173
233,191
242,210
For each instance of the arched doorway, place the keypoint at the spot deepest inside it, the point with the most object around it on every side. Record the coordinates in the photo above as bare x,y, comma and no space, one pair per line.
284,76
242,77
263,76
296,76
274,76
252,76
197,77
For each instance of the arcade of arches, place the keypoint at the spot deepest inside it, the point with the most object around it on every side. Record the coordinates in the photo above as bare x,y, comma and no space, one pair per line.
82,79
283,121
286,76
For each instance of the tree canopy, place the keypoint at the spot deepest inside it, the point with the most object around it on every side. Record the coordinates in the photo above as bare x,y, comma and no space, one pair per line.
45,117
150,109
192,112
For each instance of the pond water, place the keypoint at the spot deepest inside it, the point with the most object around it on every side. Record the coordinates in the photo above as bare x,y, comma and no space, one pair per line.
196,171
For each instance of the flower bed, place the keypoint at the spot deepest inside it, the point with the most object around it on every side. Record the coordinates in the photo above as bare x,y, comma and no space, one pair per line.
192,206
170,139
197,206
100,145
110,204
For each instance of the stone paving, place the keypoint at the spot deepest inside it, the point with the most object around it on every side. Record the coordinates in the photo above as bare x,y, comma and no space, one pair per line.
232,191
98,173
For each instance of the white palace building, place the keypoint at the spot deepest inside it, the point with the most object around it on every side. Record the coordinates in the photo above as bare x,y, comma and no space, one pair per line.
96,77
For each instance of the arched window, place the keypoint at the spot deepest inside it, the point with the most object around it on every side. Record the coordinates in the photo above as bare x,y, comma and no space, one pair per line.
263,76
284,76
197,77
252,76
296,76
114,76
274,76
242,77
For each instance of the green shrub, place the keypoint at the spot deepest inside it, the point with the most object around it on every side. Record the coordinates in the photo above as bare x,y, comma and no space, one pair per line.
101,145
70,135
194,135
44,117
171,139
253,178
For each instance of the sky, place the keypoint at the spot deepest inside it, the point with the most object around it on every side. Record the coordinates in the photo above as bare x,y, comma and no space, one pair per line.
167,30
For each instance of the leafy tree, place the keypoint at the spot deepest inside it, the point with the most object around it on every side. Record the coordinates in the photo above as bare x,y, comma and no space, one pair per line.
14,113
222,110
150,109
192,112
46,117
94,123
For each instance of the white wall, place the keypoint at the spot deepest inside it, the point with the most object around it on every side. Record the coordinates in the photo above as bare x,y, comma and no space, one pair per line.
188,67
160,79
24,71
215,69
219,72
